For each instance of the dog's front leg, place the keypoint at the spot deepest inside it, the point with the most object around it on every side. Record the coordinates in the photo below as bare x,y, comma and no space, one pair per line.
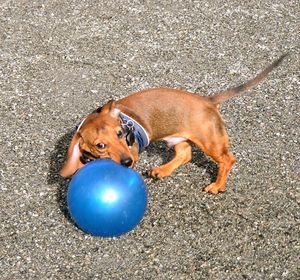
183,154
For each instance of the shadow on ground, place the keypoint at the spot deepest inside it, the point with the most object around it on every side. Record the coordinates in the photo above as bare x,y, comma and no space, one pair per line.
199,158
56,160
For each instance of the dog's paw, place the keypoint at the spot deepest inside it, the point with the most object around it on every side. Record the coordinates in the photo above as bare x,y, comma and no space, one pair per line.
214,188
159,172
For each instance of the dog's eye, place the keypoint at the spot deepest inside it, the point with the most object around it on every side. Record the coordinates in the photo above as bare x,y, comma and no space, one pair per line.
101,146
120,134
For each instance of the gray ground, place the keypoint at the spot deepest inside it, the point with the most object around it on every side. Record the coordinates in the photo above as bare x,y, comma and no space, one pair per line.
59,60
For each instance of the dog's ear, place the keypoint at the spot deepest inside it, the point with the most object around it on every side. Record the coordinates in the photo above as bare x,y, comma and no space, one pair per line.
73,162
110,108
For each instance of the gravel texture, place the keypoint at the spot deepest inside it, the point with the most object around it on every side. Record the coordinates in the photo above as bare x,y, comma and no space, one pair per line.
59,60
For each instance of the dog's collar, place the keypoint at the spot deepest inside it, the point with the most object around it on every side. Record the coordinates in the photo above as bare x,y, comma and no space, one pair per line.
140,134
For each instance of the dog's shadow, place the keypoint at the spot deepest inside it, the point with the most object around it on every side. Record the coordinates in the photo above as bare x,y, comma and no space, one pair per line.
198,158
57,158
158,149
202,161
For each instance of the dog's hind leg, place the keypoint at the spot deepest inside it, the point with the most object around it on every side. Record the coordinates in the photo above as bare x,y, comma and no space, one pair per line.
219,152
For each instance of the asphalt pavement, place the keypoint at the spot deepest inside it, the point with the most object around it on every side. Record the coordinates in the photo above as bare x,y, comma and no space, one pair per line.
59,60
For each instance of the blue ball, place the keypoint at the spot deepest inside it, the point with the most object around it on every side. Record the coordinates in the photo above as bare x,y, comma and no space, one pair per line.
106,199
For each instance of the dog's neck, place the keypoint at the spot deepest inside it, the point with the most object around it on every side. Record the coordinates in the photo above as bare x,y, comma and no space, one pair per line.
141,136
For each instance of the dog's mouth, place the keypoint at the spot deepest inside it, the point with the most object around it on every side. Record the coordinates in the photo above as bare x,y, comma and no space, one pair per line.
87,157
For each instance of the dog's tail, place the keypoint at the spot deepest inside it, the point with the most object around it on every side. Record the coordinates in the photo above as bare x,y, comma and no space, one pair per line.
229,93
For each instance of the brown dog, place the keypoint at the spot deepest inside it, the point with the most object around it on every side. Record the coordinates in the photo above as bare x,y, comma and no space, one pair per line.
121,129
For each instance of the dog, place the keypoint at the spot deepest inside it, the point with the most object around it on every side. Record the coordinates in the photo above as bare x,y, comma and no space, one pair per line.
120,130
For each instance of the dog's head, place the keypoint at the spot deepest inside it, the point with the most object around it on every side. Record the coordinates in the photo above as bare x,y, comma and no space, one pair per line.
99,136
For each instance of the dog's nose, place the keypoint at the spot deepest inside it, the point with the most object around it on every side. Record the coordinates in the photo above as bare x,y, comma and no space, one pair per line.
126,161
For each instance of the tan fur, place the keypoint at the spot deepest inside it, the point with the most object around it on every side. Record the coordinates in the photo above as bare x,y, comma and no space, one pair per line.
181,118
